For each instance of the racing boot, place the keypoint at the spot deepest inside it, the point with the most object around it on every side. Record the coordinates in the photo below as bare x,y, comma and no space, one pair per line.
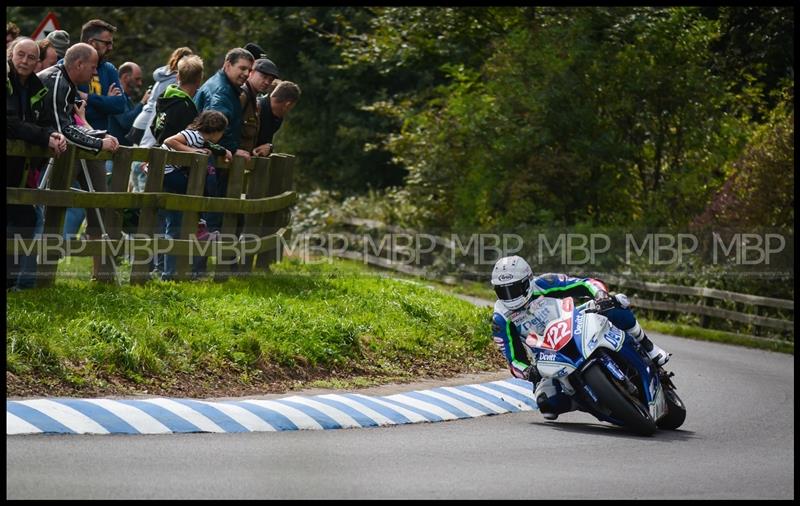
551,402
658,355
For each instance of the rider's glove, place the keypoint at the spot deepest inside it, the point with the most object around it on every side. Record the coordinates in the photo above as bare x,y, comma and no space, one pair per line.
605,303
532,374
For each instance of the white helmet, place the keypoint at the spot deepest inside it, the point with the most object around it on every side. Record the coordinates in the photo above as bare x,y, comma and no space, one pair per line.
511,279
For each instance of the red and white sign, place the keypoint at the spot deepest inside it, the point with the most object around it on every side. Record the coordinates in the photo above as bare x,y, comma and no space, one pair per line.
48,24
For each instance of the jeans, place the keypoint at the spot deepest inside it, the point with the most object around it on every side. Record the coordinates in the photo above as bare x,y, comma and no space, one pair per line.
174,182
177,182
138,177
20,220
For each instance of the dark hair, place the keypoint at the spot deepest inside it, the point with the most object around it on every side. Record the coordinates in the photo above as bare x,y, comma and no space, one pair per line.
209,122
285,91
95,27
237,53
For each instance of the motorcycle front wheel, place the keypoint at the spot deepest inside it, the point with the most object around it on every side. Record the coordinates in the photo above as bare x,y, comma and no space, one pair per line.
623,406
676,411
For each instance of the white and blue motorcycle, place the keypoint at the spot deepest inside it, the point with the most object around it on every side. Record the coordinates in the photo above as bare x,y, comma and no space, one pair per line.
603,369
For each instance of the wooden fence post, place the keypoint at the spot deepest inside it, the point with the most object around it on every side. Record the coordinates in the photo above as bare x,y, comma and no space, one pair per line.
229,262
119,183
197,182
148,216
63,172
705,302
281,180
256,188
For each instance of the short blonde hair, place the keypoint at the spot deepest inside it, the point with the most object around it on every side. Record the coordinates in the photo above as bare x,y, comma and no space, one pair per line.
190,69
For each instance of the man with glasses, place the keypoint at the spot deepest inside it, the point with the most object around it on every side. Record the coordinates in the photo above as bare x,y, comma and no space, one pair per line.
104,98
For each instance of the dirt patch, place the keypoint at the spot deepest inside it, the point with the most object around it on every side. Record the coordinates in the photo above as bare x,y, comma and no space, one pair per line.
265,381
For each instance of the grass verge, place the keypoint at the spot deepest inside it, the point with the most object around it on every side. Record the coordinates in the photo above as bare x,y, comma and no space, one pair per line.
719,336
302,324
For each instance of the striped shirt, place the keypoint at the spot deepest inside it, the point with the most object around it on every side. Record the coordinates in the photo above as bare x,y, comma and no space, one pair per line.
194,139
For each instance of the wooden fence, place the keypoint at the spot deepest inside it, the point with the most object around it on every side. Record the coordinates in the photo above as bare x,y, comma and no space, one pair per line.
743,311
259,189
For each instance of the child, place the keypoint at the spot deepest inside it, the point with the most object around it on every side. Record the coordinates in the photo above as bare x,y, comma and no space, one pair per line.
200,136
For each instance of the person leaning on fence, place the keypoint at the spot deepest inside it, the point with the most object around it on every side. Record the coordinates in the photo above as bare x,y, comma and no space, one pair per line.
78,67
176,109
200,136
258,82
221,93
27,119
162,77
273,110
130,76
104,98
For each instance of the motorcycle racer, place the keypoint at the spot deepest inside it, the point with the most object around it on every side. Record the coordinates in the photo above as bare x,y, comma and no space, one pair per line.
518,290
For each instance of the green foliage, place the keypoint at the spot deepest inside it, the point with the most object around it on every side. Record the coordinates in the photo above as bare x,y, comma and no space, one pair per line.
490,118
760,192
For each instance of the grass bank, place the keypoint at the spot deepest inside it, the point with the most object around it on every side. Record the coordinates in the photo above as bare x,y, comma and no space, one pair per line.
302,325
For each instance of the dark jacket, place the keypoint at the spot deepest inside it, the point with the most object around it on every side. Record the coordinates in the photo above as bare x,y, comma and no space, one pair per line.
27,119
250,121
100,107
120,124
218,94
269,122
175,110
61,102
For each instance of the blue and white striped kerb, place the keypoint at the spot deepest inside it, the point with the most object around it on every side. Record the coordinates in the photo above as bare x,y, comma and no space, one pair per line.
330,411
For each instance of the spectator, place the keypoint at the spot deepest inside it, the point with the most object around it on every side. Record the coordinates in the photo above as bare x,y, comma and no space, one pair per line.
204,131
259,81
130,76
255,50
27,118
273,110
60,41
175,109
221,93
47,55
103,94
78,67
12,32
163,77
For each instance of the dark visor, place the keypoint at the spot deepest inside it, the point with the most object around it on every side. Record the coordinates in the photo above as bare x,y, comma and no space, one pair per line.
514,290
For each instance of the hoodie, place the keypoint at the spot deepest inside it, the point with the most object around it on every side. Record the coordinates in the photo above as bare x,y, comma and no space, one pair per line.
162,77
175,109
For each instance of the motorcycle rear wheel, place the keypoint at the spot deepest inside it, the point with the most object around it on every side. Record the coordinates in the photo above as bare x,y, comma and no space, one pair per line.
635,416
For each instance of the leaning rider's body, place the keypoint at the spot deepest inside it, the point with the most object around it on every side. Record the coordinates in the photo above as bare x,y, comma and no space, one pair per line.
517,289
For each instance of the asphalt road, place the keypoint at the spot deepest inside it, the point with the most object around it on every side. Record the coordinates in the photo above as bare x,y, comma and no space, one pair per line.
737,443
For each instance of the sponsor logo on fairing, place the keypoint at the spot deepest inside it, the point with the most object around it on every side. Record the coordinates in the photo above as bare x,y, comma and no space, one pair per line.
547,356
578,324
